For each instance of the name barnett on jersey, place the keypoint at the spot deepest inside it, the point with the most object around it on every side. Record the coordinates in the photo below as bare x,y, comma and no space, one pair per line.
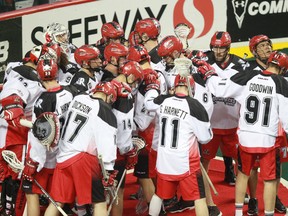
173,111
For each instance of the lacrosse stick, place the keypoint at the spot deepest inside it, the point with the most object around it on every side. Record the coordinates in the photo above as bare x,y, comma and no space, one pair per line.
16,165
183,67
208,179
139,144
182,31
111,190
46,128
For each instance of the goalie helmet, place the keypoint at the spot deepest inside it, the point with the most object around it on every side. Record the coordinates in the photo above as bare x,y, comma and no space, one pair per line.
112,30
47,69
168,45
138,53
220,39
106,88
182,81
116,50
278,58
84,54
150,26
54,30
254,41
132,68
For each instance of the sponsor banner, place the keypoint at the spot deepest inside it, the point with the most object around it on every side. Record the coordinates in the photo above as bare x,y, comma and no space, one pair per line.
246,18
10,40
85,20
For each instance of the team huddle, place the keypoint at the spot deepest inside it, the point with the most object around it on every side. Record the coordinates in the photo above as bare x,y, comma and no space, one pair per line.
75,119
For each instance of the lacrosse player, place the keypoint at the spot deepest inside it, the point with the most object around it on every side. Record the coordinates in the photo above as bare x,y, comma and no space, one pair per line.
88,57
59,34
226,65
261,47
255,92
41,160
89,131
189,121
129,78
171,50
22,87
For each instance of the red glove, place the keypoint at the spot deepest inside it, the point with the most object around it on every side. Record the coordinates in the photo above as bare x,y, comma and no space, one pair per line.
131,158
206,71
151,80
30,169
122,89
110,182
13,109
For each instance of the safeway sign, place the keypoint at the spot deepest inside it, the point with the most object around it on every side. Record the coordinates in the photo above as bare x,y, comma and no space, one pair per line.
85,20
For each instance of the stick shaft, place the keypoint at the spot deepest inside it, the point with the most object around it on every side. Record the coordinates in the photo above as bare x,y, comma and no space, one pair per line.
116,192
208,179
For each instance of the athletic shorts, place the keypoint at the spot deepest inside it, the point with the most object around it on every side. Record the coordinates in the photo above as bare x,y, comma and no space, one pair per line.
141,169
120,165
81,179
152,163
44,178
191,187
269,163
227,143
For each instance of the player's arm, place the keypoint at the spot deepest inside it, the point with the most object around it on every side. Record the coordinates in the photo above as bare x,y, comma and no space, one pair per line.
13,109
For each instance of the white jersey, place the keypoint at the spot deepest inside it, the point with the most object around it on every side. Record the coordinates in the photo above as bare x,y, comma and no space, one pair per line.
123,108
264,103
226,110
90,127
56,101
24,82
183,123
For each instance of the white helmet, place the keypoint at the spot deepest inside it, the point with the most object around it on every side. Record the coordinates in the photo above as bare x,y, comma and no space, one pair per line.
53,31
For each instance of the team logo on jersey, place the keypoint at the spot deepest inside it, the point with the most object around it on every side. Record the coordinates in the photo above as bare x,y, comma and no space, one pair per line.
38,103
81,81
206,11
239,7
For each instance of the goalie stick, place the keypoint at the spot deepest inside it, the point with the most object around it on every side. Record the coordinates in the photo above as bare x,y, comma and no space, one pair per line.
17,166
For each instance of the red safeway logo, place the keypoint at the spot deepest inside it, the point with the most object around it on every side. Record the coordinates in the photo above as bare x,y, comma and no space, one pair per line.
205,9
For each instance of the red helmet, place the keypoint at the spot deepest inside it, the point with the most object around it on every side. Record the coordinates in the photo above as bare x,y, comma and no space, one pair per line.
53,49
86,53
132,67
182,81
112,30
150,26
116,50
278,58
138,53
254,41
35,54
220,39
47,69
168,45
133,38
107,88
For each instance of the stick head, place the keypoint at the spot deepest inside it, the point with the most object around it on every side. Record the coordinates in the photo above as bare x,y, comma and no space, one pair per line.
183,66
46,129
12,160
139,143
182,31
